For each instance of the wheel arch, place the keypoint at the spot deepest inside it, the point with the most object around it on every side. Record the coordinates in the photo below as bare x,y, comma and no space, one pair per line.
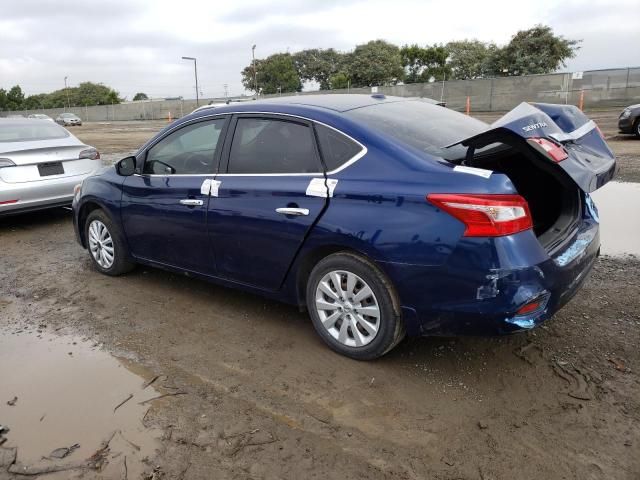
311,258
85,210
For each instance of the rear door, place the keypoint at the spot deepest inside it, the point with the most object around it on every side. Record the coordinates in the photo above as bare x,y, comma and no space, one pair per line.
164,206
589,160
270,192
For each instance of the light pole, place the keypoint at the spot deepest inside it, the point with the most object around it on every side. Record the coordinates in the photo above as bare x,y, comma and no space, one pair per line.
67,91
195,68
255,71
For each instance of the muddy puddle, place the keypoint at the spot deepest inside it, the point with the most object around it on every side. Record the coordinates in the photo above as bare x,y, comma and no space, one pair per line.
60,397
619,210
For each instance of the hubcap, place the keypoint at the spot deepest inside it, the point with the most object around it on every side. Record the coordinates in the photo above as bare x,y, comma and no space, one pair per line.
347,308
101,244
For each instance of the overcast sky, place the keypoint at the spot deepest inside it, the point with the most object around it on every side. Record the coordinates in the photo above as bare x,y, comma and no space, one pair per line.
137,45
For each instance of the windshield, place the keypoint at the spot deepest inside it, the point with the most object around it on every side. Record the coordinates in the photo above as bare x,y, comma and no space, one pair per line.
26,131
68,115
421,124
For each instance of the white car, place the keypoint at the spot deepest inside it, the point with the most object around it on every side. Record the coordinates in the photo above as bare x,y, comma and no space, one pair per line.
40,116
40,164
211,105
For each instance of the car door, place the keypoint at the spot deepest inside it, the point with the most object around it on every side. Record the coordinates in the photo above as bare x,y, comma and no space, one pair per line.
164,206
270,192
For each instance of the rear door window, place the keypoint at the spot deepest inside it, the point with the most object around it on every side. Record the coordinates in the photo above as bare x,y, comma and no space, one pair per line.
268,145
335,147
188,151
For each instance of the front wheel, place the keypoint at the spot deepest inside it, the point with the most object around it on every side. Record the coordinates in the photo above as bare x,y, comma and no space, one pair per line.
637,128
353,307
106,246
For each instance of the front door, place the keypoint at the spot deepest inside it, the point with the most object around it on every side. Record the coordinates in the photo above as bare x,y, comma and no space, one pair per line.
164,207
270,193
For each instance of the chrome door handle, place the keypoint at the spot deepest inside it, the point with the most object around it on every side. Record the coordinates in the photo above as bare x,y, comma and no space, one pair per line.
293,211
191,202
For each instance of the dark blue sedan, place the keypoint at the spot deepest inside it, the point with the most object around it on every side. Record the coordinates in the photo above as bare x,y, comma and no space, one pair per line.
381,216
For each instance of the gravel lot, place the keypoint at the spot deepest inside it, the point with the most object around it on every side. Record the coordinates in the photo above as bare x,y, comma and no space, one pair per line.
251,392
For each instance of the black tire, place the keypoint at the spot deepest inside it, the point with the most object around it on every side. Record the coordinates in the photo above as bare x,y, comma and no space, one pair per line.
636,128
121,263
390,327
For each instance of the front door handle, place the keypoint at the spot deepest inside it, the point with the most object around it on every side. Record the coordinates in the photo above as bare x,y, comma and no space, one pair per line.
293,211
191,202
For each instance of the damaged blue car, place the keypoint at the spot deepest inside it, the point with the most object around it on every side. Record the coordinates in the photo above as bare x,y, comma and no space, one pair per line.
381,216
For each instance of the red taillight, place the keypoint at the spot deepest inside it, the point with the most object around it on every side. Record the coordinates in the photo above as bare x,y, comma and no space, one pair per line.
555,152
529,307
486,215
7,202
90,153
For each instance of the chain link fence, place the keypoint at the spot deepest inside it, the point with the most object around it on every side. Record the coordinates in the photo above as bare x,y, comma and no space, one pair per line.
590,89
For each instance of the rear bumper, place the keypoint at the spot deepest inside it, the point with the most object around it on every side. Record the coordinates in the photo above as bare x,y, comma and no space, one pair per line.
38,195
486,281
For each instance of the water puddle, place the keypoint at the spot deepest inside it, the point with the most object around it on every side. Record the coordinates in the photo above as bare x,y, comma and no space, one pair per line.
57,392
619,210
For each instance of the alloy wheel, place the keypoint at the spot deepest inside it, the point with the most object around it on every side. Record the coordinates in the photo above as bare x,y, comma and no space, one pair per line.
348,308
101,244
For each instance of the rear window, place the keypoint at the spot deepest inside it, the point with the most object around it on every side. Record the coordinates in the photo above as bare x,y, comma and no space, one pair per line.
13,131
336,148
421,124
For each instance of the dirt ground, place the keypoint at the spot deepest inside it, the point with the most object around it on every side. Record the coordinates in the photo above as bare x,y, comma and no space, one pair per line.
252,393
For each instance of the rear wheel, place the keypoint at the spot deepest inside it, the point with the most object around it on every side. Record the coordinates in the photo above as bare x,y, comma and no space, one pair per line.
353,307
106,246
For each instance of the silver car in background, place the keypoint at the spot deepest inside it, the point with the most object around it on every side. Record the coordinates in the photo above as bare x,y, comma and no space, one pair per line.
40,164
68,119
40,116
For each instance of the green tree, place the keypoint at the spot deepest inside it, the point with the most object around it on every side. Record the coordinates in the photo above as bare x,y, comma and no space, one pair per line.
375,63
533,51
339,80
15,98
470,58
3,99
276,73
318,65
422,63
413,60
140,96
35,102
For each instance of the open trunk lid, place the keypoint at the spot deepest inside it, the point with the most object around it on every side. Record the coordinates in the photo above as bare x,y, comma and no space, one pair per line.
589,160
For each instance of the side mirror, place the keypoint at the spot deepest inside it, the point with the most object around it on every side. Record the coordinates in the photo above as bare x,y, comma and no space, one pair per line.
126,167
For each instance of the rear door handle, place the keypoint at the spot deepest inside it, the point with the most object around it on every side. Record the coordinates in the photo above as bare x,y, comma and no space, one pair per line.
293,211
191,202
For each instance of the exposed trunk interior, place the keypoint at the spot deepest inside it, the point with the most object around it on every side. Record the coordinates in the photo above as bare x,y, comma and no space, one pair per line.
554,199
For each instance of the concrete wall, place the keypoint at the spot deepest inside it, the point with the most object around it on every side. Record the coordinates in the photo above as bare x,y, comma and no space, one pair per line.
598,88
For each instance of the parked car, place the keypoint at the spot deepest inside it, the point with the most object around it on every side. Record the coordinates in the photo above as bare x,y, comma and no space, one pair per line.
629,120
381,216
40,164
68,119
40,116
210,106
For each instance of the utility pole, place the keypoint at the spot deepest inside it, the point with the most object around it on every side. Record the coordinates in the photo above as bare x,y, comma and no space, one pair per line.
67,91
255,71
195,69
226,90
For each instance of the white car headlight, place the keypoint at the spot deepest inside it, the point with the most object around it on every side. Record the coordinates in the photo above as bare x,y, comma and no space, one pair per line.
625,113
